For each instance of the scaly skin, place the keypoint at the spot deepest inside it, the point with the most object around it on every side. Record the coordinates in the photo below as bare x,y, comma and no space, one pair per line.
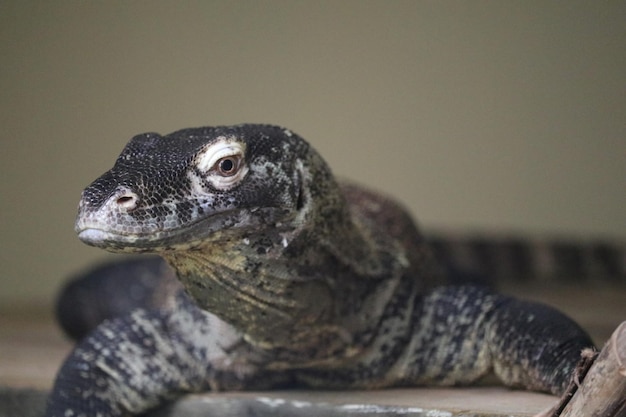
290,279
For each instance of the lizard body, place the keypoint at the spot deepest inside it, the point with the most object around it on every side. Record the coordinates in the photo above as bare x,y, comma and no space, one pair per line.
290,279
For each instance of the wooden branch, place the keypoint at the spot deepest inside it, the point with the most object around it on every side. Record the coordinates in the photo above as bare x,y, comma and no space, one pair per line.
602,392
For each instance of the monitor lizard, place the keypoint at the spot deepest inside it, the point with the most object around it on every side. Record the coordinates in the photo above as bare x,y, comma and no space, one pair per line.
289,278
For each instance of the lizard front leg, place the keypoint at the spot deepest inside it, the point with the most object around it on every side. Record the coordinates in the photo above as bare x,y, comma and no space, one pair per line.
133,363
535,346
463,332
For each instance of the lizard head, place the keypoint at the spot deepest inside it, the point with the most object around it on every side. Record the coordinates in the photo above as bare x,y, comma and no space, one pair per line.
195,186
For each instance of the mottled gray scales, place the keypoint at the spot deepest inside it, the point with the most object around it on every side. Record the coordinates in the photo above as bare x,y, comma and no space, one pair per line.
287,278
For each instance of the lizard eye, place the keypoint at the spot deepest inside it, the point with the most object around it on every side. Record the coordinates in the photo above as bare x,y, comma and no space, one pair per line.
228,165
222,163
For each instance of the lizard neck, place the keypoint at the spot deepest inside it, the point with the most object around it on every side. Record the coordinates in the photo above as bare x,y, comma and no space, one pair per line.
287,291
262,297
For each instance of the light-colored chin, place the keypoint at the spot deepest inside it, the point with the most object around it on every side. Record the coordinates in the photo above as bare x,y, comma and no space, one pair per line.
118,243
98,237
113,242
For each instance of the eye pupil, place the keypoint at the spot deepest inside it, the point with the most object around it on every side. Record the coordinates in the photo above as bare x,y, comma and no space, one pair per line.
227,165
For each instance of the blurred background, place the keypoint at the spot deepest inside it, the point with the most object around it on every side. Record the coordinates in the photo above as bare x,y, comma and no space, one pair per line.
503,116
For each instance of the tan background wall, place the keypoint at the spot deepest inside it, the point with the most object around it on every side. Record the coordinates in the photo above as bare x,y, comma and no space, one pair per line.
478,115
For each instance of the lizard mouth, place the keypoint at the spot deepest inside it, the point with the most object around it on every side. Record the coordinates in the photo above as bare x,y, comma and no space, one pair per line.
228,225
116,242
153,237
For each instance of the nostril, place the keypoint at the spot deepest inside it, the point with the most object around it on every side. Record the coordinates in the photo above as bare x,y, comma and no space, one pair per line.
127,201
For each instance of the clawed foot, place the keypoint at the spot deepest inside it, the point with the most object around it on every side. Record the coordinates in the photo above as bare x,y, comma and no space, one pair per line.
598,386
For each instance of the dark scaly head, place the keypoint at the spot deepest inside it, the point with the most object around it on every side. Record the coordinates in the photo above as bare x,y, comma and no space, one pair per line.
196,186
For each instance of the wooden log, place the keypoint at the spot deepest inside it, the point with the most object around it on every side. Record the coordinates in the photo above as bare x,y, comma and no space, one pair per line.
602,392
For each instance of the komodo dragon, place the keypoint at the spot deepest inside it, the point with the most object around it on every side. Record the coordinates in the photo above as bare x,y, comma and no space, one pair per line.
290,278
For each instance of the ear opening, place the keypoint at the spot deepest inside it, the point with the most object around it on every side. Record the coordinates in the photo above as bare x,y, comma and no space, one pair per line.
300,180
300,200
